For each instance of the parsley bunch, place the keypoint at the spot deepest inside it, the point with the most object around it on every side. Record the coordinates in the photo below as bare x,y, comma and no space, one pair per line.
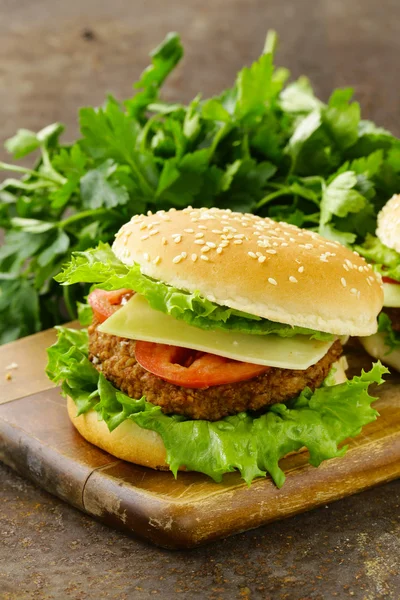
262,146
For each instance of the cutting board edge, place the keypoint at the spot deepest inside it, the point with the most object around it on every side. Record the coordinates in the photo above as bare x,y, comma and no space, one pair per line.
168,528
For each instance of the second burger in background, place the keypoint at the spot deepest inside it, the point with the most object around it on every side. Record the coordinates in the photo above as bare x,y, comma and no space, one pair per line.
215,343
383,251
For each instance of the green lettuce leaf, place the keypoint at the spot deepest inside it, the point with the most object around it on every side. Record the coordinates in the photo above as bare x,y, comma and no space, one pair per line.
100,266
320,421
385,260
392,338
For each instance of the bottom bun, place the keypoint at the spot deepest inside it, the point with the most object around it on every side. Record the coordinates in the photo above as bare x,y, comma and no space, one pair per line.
128,441
376,347
136,444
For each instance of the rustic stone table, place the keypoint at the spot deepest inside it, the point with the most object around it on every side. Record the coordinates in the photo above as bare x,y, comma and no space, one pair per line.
56,56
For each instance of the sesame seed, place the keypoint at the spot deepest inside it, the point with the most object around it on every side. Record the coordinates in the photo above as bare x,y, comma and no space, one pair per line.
153,232
292,279
164,241
194,257
217,231
204,257
262,259
224,243
219,250
353,291
239,236
345,267
156,260
252,255
183,254
205,249
177,259
188,230
270,251
144,237
272,281
343,281
142,226
146,256
149,213
300,269
199,241
177,239
361,269
202,227
199,235
238,241
211,244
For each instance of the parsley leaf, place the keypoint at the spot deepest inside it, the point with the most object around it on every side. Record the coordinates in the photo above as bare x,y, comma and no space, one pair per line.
264,145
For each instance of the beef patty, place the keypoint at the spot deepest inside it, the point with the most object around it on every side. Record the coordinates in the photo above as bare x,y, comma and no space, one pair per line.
115,358
394,316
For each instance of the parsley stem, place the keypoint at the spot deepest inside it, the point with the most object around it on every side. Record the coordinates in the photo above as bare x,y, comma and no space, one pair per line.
47,164
24,171
218,137
83,215
69,303
271,42
146,187
267,199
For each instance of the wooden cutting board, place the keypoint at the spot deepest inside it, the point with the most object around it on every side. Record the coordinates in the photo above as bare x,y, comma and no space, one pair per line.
38,440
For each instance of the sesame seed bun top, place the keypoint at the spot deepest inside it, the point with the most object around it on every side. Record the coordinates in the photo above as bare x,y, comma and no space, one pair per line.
272,270
389,224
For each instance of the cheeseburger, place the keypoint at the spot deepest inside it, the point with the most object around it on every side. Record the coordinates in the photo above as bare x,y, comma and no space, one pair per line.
215,343
384,252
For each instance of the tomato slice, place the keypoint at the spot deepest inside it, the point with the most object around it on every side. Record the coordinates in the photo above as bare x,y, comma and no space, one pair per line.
193,369
389,280
104,304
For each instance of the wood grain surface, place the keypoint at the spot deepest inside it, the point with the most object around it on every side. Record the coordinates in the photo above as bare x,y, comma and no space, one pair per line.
38,440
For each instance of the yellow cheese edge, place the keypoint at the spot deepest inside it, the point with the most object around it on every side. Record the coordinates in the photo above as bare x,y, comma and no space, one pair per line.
138,321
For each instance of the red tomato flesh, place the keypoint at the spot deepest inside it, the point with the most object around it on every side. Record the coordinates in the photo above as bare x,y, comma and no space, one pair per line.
389,280
193,369
104,304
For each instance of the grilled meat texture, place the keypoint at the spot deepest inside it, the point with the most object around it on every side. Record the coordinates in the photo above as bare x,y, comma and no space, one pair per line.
115,358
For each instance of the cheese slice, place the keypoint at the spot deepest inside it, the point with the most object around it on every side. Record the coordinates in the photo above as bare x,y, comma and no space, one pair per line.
138,321
391,292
